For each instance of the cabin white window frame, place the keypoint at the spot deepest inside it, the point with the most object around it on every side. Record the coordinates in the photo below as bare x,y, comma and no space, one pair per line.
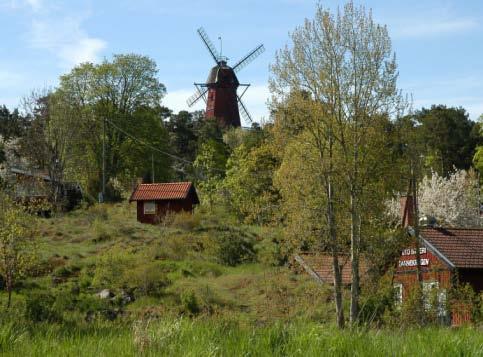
149,207
441,297
398,294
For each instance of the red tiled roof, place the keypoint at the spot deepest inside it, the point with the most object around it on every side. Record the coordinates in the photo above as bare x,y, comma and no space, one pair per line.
321,264
462,247
161,191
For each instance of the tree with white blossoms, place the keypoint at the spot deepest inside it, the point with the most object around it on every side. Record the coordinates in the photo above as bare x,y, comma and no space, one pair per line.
452,201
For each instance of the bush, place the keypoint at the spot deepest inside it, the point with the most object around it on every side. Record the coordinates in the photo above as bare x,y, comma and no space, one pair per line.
190,302
147,279
111,268
101,231
269,253
40,307
234,248
97,212
185,220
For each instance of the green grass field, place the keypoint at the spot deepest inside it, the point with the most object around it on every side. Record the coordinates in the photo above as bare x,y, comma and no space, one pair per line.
195,294
185,337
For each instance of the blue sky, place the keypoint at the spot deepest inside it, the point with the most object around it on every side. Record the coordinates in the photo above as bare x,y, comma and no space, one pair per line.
439,44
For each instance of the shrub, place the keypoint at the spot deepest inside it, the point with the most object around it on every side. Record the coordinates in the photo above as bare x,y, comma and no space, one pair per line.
41,307
268,252
100,230
97,212
111,267
234,248
189,302
147,279
185,220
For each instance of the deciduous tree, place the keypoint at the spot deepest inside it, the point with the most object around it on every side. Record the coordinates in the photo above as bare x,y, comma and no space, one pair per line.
344,63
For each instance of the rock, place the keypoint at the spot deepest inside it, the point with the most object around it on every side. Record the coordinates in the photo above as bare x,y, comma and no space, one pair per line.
110,315
126,297
105,294
90,315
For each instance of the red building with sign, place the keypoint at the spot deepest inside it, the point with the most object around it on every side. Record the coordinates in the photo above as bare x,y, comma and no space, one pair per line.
448,256
155,200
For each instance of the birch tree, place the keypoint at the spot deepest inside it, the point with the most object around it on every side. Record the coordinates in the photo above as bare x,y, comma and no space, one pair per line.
17,244
345,63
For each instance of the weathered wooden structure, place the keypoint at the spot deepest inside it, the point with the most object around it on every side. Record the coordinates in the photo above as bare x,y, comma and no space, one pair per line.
219,92
448,257
319,266
35,186
155,200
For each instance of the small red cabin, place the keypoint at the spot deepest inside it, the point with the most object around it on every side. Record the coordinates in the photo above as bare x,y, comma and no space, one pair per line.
448,257
154,200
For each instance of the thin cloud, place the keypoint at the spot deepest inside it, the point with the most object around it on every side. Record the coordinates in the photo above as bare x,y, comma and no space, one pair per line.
429,28
66,39
35,4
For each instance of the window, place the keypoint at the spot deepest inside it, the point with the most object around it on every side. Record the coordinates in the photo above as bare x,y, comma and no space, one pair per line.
433,294
398,294
149,207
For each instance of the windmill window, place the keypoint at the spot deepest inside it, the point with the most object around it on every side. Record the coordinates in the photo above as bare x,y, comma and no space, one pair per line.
149,207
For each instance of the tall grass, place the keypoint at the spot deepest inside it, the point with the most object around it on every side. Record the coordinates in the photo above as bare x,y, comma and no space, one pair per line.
214,337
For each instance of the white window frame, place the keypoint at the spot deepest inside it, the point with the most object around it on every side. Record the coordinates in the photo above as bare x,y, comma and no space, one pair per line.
398,294
149,207
441,295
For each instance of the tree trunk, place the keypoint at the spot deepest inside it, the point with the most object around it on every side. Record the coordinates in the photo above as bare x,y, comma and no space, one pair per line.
355,250
339,308
9,302
355,230
9,286
333,240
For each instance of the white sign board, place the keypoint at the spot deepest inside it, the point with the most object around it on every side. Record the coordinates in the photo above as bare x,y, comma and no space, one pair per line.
412,251
413,262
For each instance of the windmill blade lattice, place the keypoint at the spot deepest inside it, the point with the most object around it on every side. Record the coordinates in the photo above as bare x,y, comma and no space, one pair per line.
249,58
243,110
213,51
197,96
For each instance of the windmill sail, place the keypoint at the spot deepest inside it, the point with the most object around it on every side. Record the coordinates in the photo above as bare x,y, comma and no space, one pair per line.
219,92
209,45
243,110
196,96
249,58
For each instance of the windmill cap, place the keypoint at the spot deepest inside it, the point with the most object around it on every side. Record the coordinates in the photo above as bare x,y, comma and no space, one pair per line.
222,74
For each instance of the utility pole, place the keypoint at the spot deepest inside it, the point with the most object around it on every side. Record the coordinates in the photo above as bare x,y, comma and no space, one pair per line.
152,168
103,160
478,193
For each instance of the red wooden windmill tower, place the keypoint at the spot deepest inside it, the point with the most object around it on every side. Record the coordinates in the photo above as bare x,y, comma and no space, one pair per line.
220,90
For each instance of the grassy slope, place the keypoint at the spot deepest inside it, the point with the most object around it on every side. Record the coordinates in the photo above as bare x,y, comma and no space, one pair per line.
251,309
71,245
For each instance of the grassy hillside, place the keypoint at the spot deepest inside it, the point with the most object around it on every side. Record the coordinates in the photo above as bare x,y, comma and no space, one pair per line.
197,284
190,265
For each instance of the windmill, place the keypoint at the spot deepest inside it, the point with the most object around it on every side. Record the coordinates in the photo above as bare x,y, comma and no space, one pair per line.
220,90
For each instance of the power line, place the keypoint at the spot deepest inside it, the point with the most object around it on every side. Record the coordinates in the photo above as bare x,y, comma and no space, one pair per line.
156,149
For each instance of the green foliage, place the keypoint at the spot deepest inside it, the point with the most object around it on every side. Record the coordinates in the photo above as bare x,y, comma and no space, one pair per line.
445,136
111,268
3,156
12,124
249,183
17,243
234,249
125,95
40,307
190,302
210,163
